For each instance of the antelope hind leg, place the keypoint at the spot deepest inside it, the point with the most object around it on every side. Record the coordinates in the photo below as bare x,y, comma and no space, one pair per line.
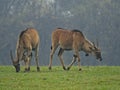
73,61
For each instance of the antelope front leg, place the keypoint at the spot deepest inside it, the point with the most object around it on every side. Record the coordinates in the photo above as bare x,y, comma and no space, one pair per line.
36,58
77,54
38,68
27,64
79,64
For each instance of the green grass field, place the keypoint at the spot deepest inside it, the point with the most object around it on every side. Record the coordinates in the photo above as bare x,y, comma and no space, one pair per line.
90,78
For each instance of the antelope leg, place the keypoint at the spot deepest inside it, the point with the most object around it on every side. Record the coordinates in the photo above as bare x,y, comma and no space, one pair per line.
78,57
36,58
60,56
73,61
53,48
27,64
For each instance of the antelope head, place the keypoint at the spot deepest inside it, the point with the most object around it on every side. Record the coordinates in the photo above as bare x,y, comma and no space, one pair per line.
96,51
15,62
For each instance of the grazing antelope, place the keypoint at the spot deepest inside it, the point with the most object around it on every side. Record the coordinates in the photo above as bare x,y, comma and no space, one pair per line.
28,41
72,40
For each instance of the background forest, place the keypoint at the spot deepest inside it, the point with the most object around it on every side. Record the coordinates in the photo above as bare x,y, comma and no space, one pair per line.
97,19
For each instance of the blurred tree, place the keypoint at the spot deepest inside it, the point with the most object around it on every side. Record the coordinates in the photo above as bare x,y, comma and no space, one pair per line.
95,18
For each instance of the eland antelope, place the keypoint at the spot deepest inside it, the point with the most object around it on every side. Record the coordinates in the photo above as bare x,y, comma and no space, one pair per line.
72,40
28,41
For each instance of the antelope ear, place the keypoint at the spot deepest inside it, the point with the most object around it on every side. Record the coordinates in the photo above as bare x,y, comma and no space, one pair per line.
92,49
96,48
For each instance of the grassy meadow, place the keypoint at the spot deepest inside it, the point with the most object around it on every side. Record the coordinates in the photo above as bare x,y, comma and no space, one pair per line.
90,78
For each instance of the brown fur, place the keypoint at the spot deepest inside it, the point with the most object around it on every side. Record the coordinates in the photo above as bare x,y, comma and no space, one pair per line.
28,41
70,40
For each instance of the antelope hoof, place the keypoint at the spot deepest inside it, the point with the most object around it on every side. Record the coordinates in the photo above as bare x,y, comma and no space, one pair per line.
27,70
49,68
80,69
68,68
64,68
38,69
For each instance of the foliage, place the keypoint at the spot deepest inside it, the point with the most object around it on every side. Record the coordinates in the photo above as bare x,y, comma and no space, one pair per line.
97,19
91,78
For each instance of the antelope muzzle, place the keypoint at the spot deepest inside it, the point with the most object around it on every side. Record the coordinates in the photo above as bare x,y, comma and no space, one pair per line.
98,56
17,67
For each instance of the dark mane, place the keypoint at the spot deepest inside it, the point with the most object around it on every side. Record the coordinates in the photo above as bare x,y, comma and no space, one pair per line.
59,28
23,32
75,30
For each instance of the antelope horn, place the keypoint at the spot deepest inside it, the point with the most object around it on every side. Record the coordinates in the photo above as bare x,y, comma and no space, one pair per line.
93,43
97,42
11,56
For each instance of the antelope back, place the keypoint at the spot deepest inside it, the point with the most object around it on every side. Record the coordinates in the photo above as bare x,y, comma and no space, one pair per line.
28,38
62,37
66,38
